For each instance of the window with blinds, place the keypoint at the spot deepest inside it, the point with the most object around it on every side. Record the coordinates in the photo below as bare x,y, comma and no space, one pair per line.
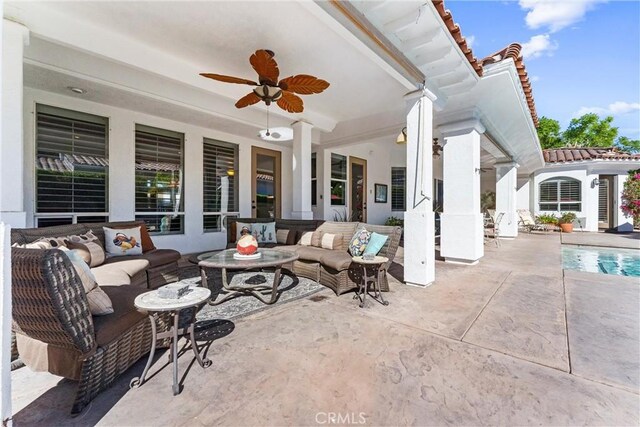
314,180
398,189
338,180
220,186
560,194
71,167
159,179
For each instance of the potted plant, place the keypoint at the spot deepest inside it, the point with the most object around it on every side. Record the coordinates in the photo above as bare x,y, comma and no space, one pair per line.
550,221
566,221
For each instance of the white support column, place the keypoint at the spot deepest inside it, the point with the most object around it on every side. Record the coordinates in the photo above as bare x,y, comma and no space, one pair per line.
506,188
461,225
419,222
14,39
301,171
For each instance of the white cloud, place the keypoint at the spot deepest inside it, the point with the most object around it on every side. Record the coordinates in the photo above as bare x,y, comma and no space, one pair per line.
471,41
556,14
534,78
618,108
538,46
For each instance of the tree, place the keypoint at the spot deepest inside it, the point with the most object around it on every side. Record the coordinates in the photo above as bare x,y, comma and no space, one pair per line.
590,131
630,203
549,133
628,145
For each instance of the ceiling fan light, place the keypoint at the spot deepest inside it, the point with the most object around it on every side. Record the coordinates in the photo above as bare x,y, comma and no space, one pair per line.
268,93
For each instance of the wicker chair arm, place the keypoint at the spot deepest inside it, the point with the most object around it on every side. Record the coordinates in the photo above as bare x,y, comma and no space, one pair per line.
49,301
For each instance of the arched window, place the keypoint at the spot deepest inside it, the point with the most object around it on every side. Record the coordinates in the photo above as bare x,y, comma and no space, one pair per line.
560,194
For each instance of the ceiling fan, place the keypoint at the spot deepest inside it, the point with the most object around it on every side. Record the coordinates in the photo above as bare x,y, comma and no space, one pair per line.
268,89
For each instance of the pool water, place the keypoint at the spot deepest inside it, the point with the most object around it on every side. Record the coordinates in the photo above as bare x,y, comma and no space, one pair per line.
621,262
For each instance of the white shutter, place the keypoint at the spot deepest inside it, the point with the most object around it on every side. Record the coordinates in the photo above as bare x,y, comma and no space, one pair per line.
398,189
220,163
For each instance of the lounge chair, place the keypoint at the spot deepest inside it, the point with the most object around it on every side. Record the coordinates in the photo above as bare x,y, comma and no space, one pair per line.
527,222
492,227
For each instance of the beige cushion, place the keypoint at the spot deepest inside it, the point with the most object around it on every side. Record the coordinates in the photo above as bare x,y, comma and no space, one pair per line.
345,228
338,260
119,273
156,257
306,238
282,236
43,357
91,252
331,241
99,302
83,238
310,253
38,244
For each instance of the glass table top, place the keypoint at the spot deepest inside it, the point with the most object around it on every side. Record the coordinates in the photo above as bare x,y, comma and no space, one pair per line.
225,259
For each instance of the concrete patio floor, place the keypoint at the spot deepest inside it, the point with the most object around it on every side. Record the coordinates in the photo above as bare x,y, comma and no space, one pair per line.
511,340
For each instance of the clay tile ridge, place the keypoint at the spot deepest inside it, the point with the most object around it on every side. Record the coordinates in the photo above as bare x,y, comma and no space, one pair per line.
456,33
561,155
513,51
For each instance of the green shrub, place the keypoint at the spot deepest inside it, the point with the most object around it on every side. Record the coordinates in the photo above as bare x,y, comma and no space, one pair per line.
547,219
392,220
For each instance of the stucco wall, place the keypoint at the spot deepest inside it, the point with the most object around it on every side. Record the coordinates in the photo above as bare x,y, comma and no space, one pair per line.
122,167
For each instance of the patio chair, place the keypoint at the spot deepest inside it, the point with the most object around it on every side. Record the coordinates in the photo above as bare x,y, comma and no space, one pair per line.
527,221
492,228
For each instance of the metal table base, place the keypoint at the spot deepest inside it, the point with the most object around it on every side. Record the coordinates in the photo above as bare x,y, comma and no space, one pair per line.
367,278
258,290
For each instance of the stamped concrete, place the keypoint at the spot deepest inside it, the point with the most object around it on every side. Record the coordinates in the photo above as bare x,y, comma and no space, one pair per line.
612,240
408,363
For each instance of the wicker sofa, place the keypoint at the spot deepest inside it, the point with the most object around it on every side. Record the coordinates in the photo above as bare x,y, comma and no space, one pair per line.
331,268
54,329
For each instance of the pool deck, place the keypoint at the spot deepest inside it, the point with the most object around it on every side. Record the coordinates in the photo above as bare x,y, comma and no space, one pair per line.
510,341
611,240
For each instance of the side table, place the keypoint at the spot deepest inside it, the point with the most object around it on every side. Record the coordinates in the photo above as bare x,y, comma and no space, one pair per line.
370,274
153,304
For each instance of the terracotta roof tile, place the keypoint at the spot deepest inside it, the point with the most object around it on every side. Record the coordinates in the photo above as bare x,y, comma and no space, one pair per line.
456,33
567,155
513,51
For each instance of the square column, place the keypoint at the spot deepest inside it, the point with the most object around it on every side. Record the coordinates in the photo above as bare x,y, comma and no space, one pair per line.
461,225
301,191
419,222
14,38
506,194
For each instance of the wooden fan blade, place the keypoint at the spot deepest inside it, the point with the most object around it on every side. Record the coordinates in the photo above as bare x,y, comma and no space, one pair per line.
229,79
247,100
290,102
262,61
303,84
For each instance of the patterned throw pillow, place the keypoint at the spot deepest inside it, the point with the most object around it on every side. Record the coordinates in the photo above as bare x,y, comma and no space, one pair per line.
99,302
122,241
331,241
50,242
376,242
91,252
83,238
282,236
359,242
264,232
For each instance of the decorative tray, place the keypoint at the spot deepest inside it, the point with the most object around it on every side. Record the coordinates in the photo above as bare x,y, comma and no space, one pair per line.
238,256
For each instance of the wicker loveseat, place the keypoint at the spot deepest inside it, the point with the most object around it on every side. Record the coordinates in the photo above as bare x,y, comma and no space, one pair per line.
331,268
54,329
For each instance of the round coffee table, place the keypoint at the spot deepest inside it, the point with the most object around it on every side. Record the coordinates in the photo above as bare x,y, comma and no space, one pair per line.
225,260
370,274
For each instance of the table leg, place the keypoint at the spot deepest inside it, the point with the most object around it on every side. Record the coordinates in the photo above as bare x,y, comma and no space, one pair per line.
205,363
138,381
382,300
203,278
365,282
174,352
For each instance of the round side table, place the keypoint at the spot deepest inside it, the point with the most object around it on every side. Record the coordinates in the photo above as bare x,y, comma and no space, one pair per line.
370,274
153,304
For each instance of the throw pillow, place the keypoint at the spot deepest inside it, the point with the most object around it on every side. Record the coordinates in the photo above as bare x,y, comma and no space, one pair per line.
305,240
52,242
264,232
376,242
83,238
122,241
145,237
91,252
99,302
282,236
35,245
239,226
331,241
359,242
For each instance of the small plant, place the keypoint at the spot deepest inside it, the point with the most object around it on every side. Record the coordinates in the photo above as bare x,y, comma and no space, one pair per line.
487,200
392,220
344,216
547,219
567,218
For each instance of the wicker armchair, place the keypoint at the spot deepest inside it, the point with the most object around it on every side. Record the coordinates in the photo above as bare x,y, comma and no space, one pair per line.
56,332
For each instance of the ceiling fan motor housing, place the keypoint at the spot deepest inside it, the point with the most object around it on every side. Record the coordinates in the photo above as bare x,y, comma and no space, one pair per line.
268,93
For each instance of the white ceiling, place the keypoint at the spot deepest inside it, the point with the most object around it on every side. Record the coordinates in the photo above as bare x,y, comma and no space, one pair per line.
220,36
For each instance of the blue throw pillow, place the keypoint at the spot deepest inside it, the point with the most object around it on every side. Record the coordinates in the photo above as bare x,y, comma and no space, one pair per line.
376,242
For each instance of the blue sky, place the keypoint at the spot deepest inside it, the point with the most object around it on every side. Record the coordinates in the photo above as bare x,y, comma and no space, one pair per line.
581,55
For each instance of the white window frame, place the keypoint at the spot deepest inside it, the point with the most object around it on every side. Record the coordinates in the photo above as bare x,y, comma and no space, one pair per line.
223,215
560,204
344,181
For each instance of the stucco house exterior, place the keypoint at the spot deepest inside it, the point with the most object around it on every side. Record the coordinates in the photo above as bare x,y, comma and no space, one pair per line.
587,181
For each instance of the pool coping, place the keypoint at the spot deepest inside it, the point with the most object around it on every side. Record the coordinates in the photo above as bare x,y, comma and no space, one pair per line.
599,277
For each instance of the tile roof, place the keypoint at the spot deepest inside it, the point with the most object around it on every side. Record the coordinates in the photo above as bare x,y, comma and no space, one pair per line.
455,31
567,155
513,51
68,162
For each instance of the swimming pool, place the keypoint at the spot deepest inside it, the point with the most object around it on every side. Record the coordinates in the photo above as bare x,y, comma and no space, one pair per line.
620,262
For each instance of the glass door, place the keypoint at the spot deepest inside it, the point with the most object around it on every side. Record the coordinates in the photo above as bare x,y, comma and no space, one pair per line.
604,202
358,187
265,200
